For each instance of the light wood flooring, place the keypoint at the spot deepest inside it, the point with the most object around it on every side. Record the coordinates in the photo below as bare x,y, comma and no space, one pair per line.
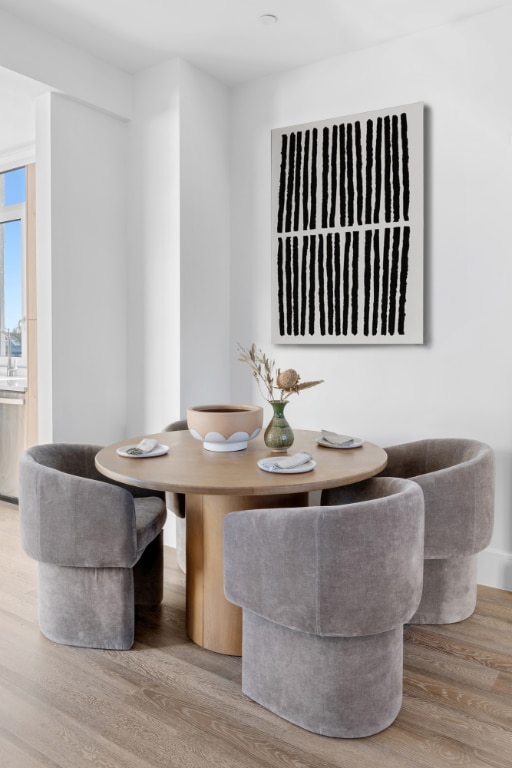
169,703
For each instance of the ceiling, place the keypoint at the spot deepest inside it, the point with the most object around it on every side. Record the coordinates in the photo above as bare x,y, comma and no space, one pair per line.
223,37
226,37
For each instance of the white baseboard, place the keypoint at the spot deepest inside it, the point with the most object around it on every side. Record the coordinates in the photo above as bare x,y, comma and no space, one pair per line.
495,569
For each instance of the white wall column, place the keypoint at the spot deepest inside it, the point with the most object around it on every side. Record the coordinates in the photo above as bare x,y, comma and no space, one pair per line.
82,184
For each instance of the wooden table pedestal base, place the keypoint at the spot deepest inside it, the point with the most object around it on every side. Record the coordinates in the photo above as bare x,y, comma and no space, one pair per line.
212,621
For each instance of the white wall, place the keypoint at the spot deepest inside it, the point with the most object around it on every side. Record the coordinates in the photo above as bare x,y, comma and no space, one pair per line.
82,184
154,273
180,231
205,240
29,51
458,382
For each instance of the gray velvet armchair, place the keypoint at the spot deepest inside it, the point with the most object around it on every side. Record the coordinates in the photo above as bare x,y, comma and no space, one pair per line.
457,479
99,549
325,592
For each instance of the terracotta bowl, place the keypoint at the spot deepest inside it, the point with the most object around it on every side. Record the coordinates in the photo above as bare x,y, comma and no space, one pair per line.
225,427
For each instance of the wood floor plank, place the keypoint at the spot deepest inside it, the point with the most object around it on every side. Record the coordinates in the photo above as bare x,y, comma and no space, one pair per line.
503,684
459,739
168,702
435,664
464,647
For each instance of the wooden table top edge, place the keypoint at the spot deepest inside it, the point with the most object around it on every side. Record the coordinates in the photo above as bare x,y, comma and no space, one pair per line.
277,483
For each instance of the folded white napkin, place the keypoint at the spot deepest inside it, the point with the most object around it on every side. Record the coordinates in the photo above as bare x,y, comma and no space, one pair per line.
289,462
145,446
335,439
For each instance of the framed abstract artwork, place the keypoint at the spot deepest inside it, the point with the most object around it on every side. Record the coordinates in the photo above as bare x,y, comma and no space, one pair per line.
347,229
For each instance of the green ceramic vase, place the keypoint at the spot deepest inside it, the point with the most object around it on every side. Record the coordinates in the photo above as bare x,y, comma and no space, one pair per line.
278,434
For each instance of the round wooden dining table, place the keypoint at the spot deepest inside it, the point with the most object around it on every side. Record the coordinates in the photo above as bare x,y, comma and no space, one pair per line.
217,483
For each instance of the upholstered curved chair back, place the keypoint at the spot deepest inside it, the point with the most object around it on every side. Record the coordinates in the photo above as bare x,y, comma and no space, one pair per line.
68,515
176,426
457,479
346,570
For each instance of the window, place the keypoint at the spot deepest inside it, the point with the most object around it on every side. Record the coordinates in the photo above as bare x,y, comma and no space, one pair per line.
12,266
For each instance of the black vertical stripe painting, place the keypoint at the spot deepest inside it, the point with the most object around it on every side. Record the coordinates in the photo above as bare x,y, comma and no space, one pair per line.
347,230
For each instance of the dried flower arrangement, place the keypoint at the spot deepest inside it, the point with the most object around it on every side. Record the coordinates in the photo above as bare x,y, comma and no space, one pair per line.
263,369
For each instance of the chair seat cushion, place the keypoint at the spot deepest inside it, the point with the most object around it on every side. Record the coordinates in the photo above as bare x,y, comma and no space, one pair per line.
150,517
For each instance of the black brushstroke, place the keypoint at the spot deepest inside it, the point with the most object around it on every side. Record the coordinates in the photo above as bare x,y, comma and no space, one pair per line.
343,172
280,286
329,274
312,284
395,154
305,182
334,175
321,284
346,281
298,176
282,182
378,171
355,283
387,168
290,184
359,172
325,175
314,150
304,285
367,281
376,282
295,284
404,273
369,172
288,283
337,285
385,284
350,176
405,166
393,281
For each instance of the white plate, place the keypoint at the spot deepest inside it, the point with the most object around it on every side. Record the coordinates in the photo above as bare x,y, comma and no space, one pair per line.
158,450
356,443
307,467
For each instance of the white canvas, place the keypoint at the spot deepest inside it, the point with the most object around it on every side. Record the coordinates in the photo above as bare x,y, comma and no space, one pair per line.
347,229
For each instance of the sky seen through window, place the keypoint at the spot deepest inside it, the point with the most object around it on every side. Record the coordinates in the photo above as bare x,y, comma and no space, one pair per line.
14,192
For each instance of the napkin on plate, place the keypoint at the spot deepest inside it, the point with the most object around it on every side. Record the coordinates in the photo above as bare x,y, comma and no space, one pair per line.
289,462
335,439
146,445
